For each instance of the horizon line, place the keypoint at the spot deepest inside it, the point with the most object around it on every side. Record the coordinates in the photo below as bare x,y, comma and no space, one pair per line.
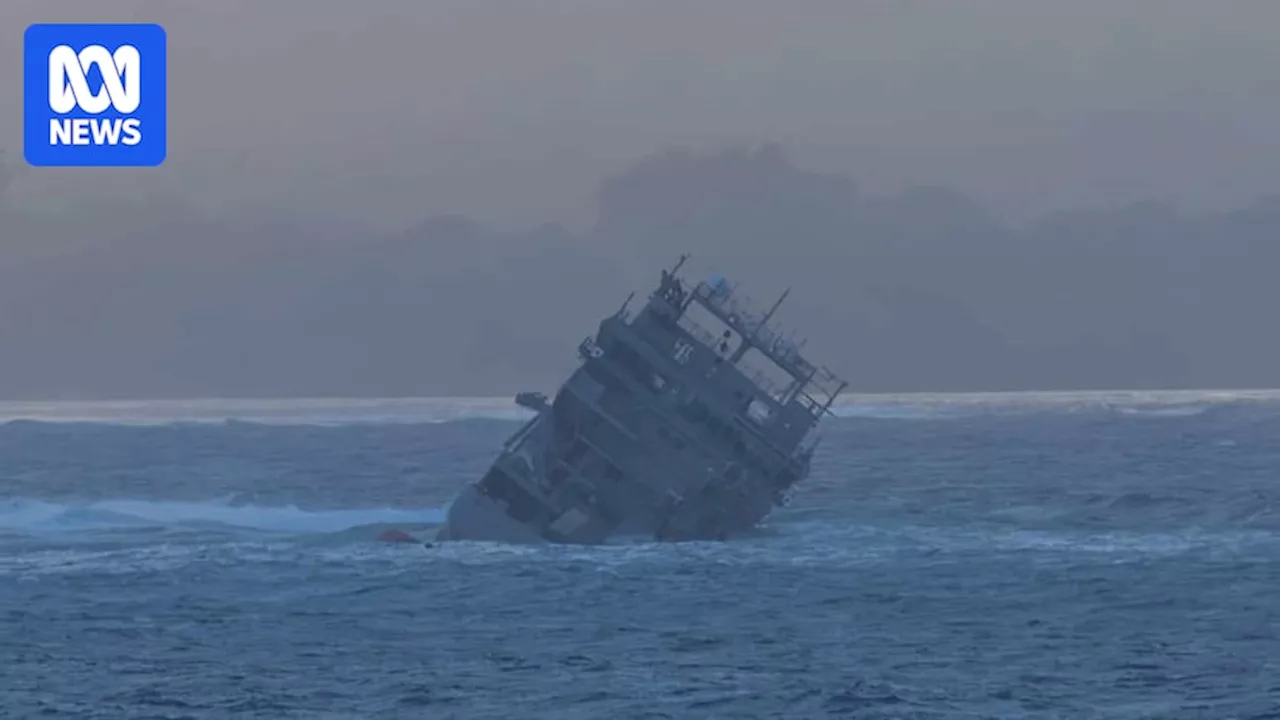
510,398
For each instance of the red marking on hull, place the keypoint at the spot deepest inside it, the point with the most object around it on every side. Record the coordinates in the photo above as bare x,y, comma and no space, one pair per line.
398,536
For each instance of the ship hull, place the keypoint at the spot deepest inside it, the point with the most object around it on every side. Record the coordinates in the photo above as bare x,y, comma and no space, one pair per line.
478,517
689,421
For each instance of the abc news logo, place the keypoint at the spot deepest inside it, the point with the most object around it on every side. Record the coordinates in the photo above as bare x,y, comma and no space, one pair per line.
69,89
94,95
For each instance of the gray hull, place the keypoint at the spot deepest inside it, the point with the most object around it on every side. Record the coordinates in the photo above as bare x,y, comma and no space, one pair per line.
474,516
689,421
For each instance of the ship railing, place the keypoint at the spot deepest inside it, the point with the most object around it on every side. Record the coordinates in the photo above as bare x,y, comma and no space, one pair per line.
767,385
817,407
827,384
808,403
517,440
812,382
779,348
729,302
698,332
589,348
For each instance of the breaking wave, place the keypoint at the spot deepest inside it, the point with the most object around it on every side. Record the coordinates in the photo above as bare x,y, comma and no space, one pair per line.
331,412
337,412
1153,404
31,515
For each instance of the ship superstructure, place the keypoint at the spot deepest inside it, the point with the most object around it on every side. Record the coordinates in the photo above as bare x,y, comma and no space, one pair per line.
689,419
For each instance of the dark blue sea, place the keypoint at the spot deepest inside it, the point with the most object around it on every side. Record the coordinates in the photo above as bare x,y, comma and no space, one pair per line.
1037,556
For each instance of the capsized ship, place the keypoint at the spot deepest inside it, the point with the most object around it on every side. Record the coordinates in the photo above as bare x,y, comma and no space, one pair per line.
689,420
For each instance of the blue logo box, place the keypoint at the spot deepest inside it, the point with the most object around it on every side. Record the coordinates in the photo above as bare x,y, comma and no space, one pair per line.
94,95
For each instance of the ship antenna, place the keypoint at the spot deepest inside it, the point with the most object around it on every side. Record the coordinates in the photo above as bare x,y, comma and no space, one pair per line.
622,310
755,334
773,309
683,257
831,400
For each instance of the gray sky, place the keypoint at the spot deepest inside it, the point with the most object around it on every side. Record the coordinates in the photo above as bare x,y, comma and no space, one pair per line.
511,112
288,245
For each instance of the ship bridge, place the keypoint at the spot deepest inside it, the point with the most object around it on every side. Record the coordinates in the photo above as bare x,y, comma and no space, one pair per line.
725,321
692,419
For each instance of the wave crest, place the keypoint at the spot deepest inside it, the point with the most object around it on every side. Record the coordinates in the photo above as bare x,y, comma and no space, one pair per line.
328,412
33,515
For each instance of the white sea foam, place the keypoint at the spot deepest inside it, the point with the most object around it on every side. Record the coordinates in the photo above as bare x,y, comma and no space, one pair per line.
310,411
32,515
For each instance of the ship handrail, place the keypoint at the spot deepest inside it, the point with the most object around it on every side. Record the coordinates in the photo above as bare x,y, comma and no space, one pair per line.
696,331
754,331
726,302
768,386
701,335
523,433
649,404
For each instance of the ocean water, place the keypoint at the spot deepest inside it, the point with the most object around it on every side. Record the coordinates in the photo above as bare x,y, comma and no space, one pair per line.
1024,556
